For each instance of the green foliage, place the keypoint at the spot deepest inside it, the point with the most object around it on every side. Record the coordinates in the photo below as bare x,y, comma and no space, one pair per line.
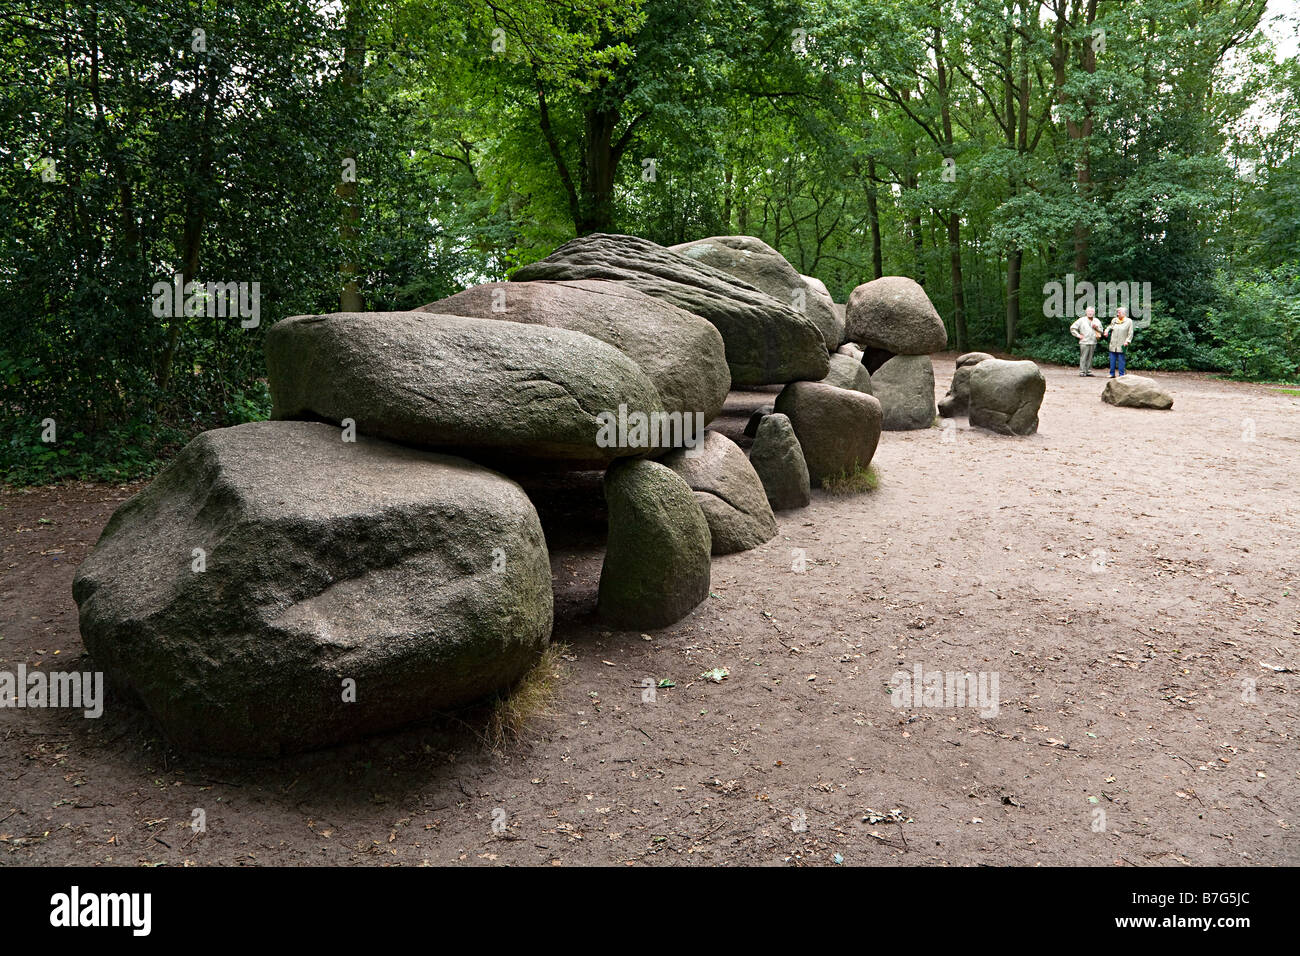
857,482
944,142
1256,325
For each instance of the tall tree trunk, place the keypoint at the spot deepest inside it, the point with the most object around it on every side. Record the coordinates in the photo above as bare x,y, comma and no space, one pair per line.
873,215
596,203
354,64
1014,258
197,194
726,196
954,217
1078,132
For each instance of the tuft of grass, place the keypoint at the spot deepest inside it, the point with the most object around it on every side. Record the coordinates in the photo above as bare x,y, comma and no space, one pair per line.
528,700
859,481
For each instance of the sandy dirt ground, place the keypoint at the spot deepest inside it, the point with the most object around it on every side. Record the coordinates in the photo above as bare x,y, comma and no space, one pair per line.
1130,577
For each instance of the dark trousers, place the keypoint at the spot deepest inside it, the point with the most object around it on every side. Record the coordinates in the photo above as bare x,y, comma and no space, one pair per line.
1114,358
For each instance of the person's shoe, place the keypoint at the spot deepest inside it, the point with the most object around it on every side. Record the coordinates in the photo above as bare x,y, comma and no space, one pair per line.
1088,374
1112,374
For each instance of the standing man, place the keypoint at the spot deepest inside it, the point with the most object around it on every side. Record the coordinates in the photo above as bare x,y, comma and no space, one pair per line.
1120,331
1086,329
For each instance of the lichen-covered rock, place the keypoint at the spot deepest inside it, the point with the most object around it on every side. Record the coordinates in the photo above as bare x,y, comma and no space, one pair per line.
277,589
957,401
657,561
895,314
905,387
729,492
681,353
838,429
753,261
451,382
849,372
767,341
1005,396
778,459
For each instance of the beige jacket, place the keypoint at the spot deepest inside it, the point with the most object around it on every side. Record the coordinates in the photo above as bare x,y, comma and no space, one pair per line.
1121,334
1086,331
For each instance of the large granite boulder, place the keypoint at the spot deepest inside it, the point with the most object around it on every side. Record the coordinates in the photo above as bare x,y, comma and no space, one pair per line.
767,341
657,562
778,459
681,353
957,401
277,588
849,372
818,288
1136,391
905,387
501,390
894,313
1005,396
729,492
838,429
755,262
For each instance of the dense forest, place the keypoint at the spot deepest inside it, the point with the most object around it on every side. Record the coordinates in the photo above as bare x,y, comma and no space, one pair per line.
381,154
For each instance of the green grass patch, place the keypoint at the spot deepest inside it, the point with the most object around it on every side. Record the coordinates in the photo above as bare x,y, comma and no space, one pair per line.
857,482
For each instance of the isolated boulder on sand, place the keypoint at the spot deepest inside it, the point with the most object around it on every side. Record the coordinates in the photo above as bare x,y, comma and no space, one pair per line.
767,341
778,459
657,561
957,401
277,589
444,381
1136,391
729,492
894,313
838,429
905,387
681,353
1005,396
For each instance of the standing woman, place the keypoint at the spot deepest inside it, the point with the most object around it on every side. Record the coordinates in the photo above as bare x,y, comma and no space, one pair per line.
1120,332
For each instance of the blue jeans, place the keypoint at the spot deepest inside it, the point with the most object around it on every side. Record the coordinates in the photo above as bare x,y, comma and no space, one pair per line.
1116,357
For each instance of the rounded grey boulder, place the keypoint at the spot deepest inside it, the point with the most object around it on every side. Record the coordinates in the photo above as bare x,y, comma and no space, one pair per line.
457,383
681,353
1005,396
778,459
753,261
1136,391
729,491
657,561
767,341
905,387
277,589
849,372
894,313
838,429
